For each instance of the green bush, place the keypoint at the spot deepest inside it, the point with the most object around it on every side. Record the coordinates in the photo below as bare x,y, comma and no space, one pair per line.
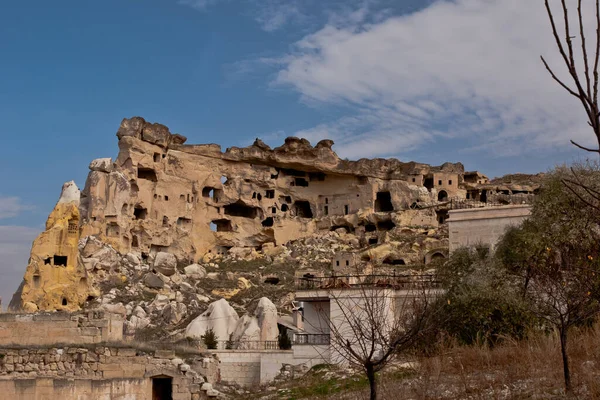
210,339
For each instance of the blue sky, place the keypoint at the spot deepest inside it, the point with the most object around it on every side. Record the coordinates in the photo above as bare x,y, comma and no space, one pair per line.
423,80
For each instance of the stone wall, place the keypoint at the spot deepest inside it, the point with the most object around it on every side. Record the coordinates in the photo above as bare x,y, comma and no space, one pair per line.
101,372
52,328
483,225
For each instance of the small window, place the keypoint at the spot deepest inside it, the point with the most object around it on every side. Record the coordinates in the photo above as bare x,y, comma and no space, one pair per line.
347,263
36,281
440,182
284,207
166,198
346,209
273,210
48,261
270,194
337,263
326,210
414,180
156,157
60,261
64,302
450,182
326,200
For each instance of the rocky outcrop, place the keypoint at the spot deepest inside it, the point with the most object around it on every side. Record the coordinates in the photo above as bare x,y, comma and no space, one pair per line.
55,278
158,215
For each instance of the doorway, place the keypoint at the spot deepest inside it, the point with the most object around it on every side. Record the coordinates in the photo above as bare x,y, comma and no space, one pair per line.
162,388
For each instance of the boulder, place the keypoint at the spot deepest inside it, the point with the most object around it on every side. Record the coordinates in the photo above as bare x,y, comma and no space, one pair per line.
102,165
174,312
131,127
165,263
219,316
153,281
266,314
246,330
195,271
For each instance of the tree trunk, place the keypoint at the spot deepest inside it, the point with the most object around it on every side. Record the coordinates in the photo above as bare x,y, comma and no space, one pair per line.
565,359
372,381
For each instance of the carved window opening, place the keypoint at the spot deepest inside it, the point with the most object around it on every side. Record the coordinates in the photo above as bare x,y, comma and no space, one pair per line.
270,194
36,281
64,302
208,192
182,197
316,176
222,225
134,242
370,228
386,225
301,182
48,261
156,157
268,222
383,202
326,210
440,182
147,174
224,180
346,209
288,199
60,261
239,209
254,195
303,209
450,182
414,180
259,197
372,241
442,195
284,207
326,200
442,216
273,210
140,212
394,261
273,280
184,223
166,198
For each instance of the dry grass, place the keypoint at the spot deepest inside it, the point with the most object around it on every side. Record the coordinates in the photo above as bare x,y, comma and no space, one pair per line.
530,369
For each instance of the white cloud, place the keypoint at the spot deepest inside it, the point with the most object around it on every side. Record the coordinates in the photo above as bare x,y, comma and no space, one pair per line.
274,14
198,4
463,70
11,207
15,245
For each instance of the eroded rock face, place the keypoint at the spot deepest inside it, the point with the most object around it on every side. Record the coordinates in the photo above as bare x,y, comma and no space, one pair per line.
220,317
55,278
163,206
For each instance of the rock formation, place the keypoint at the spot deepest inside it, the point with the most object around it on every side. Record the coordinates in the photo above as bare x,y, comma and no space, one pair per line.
55,278
168,223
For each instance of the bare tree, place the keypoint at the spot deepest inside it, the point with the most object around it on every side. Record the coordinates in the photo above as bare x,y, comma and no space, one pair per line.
584,85
376,319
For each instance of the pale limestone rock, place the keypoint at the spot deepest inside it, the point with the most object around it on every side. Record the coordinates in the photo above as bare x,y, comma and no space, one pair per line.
102,165
153,281
247,329
266,313
174,312
195,271
220,317
165,263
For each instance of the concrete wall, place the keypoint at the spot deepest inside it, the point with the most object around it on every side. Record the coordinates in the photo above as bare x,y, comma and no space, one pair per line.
316,317
63,328
483,225
49,389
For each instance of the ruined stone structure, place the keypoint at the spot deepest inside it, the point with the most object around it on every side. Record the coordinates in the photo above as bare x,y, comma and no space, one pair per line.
171,204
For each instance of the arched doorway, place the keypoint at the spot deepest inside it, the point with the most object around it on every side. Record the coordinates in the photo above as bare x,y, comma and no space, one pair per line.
442,195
